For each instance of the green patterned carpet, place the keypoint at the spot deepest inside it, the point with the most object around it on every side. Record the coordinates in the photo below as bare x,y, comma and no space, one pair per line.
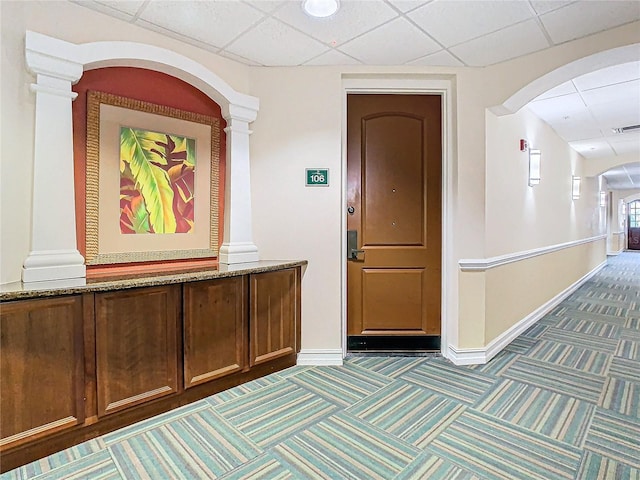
561,402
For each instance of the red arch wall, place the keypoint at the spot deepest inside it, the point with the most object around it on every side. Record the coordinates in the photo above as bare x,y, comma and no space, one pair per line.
148,86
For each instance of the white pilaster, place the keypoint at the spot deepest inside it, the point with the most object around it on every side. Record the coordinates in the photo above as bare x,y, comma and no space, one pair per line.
238,246
54,254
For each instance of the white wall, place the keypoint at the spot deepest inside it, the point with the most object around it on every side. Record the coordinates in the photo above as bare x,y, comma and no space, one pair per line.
520,217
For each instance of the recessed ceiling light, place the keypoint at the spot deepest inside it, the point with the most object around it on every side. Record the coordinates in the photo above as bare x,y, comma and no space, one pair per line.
320,8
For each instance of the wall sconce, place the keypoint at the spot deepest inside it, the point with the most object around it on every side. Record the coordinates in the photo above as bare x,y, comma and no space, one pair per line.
575,187
603,199
534,167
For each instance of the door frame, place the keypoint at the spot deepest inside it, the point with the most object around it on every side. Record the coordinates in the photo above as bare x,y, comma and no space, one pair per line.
442,85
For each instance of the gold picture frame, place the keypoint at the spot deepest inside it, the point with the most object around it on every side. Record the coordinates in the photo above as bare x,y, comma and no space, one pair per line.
105,243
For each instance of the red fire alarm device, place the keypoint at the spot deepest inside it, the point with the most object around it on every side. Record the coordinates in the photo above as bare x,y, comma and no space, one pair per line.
523,145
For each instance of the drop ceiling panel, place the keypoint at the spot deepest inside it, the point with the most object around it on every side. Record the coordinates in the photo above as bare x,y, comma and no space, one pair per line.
452,23
584,18
505,44
333,57
554,110
630,91
609,76
406,5
126,6
439,58
265,44
351,20
196,21
571,132
593,148
543,6
618,114
563,89
266,6
376,49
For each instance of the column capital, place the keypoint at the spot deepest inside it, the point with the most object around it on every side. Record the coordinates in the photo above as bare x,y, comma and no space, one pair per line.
50,57
239,113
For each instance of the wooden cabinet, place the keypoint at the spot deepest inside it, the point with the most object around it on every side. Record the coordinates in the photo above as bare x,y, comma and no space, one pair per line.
136,346
214,329
73,367
275,311
41,368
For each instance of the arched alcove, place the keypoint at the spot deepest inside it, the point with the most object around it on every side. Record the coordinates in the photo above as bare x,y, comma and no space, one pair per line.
565,73
57,64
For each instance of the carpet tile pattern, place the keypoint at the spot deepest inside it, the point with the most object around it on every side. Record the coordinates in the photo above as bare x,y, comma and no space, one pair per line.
562,401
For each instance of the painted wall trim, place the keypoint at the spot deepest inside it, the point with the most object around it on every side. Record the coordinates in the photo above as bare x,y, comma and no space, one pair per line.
328,356
474,356
483,264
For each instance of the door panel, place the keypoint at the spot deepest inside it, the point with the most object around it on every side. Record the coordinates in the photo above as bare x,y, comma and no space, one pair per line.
394,204
386,291
394,165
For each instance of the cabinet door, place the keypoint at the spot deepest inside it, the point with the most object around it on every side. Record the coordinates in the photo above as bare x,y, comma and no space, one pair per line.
274,308
136,346
214,329
41,368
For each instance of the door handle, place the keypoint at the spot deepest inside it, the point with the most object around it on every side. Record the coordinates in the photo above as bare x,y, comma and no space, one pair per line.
353,253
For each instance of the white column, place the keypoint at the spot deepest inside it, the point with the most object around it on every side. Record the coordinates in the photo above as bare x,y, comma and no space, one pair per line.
238,246
54,254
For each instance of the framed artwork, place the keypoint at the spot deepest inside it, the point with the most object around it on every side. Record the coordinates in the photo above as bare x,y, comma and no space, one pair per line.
151,182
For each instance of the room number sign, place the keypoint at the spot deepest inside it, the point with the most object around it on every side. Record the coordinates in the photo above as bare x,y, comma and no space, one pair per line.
317,177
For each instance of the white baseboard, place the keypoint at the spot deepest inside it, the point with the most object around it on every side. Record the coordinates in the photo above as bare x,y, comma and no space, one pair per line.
329,356
475,356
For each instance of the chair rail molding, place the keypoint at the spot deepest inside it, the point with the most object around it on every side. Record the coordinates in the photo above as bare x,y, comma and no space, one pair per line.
58,64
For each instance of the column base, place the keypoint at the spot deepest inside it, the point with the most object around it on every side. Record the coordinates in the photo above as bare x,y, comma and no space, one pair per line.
231,253
53,265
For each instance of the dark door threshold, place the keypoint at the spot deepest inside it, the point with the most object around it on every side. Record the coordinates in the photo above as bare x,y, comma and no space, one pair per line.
393,343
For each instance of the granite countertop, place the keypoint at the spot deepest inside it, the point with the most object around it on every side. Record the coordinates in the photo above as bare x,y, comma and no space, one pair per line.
19,290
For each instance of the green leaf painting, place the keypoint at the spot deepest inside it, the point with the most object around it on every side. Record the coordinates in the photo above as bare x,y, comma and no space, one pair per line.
157,179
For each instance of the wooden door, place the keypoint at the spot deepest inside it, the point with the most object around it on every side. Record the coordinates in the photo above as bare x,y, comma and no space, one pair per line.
275,315
633,231
394,190
137,346
41,368
215,342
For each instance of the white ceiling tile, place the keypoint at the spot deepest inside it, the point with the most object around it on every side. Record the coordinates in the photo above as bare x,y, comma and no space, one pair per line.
238,58
375,48
586,17
615,115
592,148
352,19
406,5
605,95
562,89
127,6
266,41
503,45
454,22
543,6
215,23
609,76
103,8
441,58
572,132
333,57
266,6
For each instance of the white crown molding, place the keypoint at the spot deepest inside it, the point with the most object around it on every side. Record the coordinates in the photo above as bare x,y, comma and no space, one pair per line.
328,356
477,356
483,264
